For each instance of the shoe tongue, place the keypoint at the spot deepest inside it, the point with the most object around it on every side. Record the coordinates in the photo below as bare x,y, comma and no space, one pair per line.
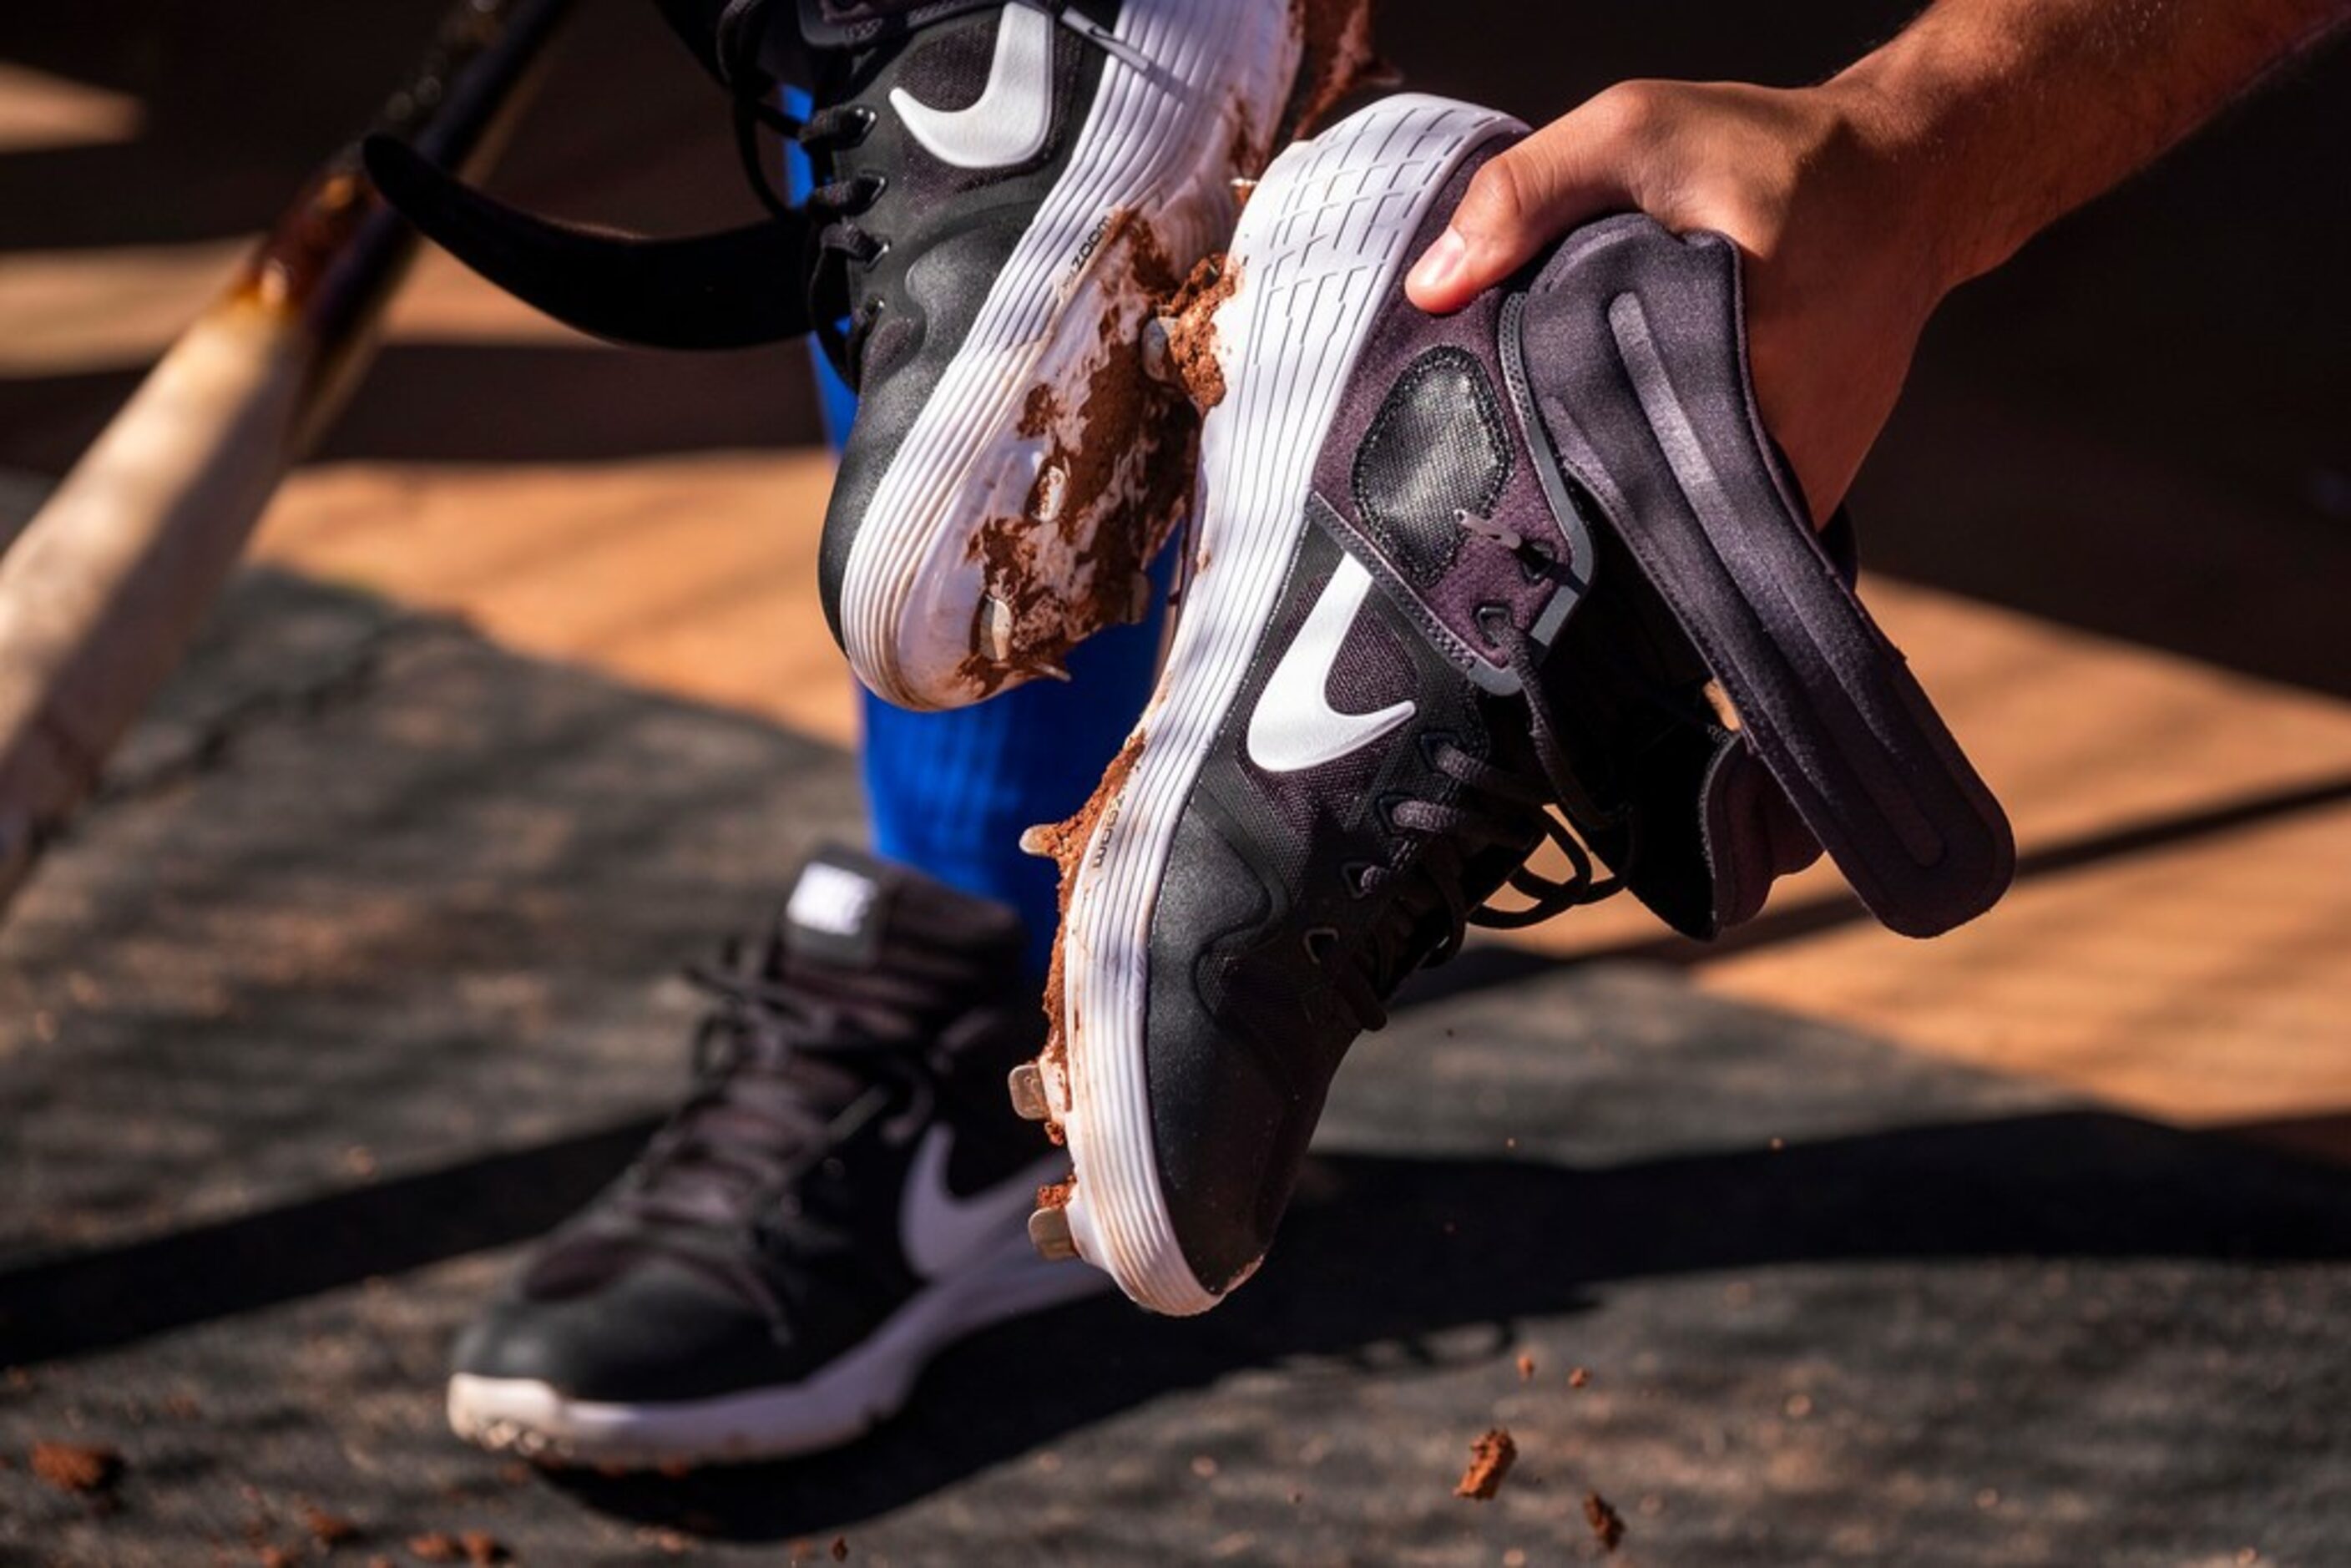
851,913
839,911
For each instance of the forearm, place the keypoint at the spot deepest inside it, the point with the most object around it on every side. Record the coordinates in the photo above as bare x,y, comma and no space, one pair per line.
2001,116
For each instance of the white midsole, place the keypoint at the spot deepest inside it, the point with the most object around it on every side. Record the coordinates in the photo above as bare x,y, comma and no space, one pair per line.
1157,142
841,1403
1320,250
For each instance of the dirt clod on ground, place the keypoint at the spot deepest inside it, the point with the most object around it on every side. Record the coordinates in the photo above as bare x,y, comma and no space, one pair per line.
78,1468
481,1548
1580,1378
1607,1524
328,1528
1491,1458
841,1549
436,1546
1191,318
1526,1368
1056,1194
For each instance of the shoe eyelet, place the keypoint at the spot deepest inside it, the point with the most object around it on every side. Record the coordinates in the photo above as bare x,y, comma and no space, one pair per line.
1319,943
1353,873
1488,615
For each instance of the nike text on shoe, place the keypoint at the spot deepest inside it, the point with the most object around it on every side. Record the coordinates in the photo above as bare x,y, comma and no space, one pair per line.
1527,576
843,1195
1006,194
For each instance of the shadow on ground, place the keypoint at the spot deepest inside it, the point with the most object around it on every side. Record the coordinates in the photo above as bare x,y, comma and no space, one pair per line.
1384,1253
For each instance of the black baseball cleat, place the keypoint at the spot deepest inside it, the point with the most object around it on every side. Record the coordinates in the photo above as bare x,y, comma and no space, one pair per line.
1525,578
1006,194
842,1196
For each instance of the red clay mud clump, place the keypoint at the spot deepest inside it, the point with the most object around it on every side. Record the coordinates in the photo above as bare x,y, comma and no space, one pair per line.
1191,318
328,1528
1607,1524
1065,843
1491,1458
1056,1194
74,1468
1339,59
1114,484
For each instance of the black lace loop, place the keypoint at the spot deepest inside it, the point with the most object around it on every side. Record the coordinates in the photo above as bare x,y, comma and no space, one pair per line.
1487,807
784,1075
839,245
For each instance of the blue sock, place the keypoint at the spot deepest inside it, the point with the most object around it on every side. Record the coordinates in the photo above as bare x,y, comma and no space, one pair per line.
950,793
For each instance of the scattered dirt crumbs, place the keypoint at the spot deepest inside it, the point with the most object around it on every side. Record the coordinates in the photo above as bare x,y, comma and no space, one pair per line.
1526,1368
328,1528
1490,1458
1338,58
438,1546
1580,1378
1607,1524
1065,844
841,1549
1191,318
71,1467
481,1548
276,1557
1056,1194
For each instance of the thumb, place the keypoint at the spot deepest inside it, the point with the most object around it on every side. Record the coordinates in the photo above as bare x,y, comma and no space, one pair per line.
1519,203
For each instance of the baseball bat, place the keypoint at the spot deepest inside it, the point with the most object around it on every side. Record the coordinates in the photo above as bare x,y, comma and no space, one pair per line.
101,592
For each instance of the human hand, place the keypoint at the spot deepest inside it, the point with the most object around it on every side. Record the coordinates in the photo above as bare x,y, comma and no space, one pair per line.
1842,260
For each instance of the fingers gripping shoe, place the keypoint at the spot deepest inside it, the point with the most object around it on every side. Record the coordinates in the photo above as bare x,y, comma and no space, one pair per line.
1005,193
1467,586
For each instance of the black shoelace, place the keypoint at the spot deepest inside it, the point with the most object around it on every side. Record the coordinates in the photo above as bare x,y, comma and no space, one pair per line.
787,1068
840,246
1491,808
839,243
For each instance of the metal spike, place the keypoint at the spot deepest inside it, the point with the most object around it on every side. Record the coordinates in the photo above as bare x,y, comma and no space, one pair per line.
1037,841
1158,359
1049,672
1027,1086
1052,493
1049,1232
997,619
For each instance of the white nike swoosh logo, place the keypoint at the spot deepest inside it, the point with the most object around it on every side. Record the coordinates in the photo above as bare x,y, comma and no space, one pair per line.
1295,728
941,1233
1010,123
